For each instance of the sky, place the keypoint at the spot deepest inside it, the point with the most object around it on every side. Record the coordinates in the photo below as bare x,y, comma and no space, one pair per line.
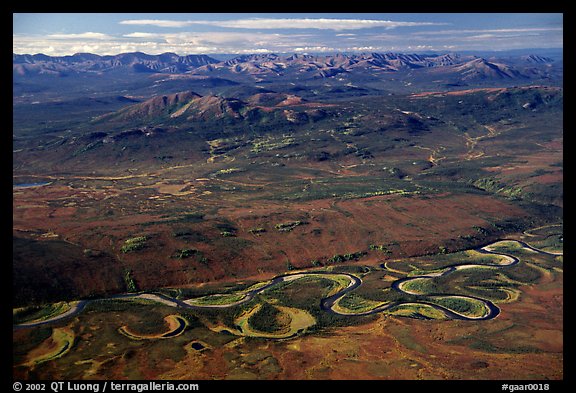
59,34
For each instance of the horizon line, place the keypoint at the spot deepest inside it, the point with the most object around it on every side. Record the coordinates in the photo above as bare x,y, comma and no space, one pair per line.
327,53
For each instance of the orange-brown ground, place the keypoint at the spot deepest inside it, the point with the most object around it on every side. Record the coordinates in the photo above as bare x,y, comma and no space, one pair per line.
525,342
412,225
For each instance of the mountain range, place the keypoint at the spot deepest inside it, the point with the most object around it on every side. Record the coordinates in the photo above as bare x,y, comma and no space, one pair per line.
302,65
188,106
91,63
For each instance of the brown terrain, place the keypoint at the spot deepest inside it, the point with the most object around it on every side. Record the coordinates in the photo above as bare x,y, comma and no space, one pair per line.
193,194
525,342
411,226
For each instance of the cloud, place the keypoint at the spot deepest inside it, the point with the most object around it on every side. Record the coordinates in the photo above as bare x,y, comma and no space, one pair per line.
143,35
307,49
156,22
484,37
293,23
83,36
323,24
488,31
229,42
156,43
293,41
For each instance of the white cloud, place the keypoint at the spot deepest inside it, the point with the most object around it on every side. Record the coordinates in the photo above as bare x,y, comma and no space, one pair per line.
257,50
420,47
84,36
307,49
484,37
217,38
143,35
324,24
154,43
488,31
250,41
363,49
294,23
156,22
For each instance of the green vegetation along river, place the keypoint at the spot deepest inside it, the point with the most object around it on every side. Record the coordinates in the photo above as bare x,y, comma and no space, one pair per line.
450,305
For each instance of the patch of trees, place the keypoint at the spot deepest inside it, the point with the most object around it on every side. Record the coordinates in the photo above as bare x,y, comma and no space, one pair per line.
256,231
288,226
379,247
129,280
134,244
346,257
266,319
189,252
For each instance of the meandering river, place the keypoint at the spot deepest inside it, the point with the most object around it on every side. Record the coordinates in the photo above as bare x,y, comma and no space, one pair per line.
328,303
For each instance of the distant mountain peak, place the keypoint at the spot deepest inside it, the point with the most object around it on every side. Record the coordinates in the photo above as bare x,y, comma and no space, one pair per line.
132,61
190,106
300,66
537,59
154,107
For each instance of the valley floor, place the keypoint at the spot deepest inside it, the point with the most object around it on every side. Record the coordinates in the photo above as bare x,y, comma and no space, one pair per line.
218,337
